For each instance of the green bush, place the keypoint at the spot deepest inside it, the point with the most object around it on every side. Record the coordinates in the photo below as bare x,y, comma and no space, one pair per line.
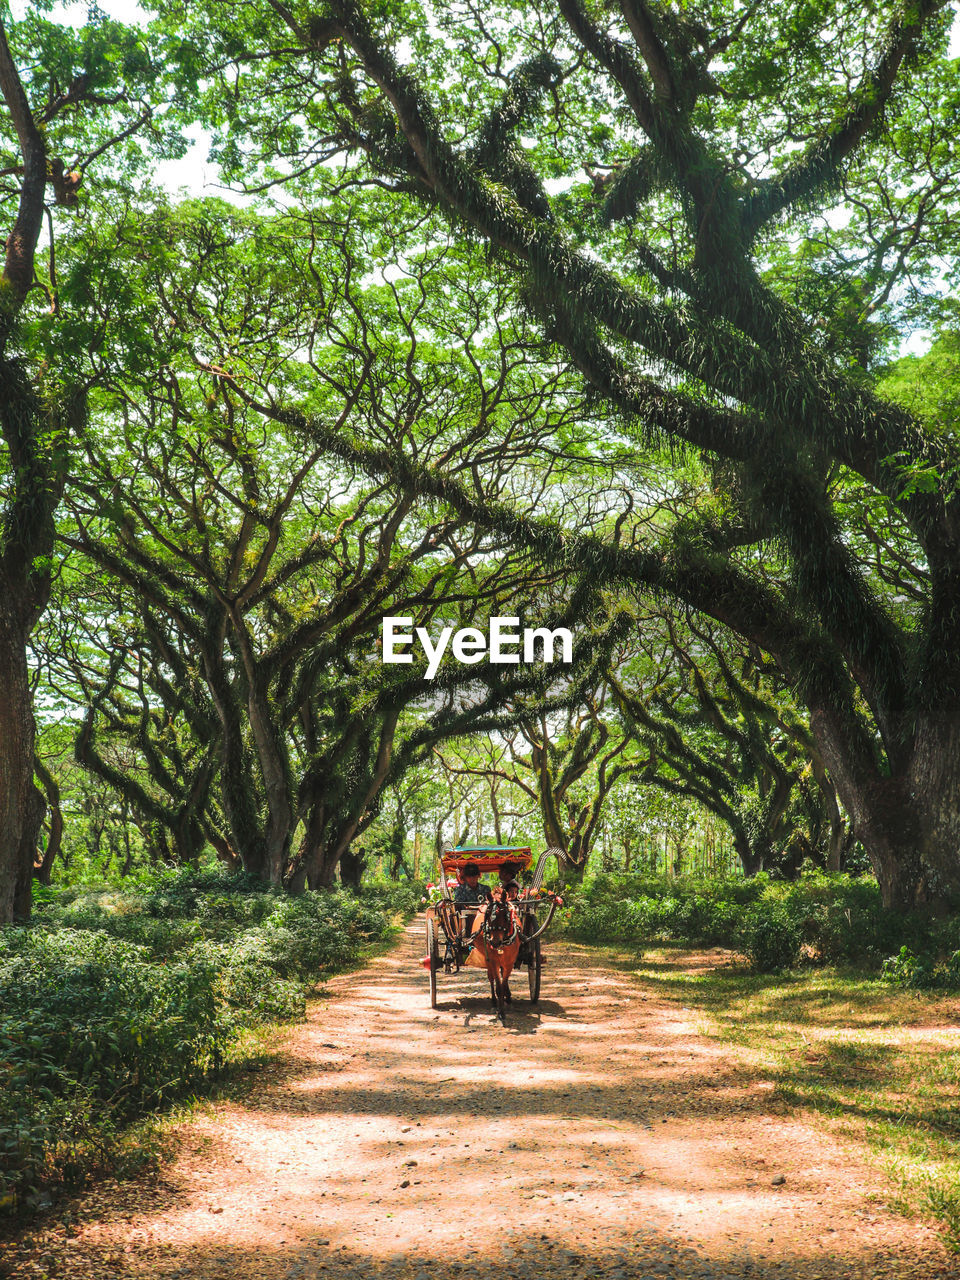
609,921
635,910
113,1001
771,939
398,897
92,1032
839,919
255,994
906,969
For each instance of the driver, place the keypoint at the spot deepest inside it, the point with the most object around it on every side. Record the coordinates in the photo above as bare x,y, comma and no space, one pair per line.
468,892
470,889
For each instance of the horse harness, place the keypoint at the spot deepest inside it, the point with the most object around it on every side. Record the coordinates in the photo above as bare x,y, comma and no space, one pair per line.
495,909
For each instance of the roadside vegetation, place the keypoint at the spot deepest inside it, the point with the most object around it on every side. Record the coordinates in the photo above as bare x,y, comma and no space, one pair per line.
847,1009
116,1001
819,919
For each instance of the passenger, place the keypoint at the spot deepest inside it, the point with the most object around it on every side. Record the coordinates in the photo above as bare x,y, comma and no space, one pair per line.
470,888
507,877
469,892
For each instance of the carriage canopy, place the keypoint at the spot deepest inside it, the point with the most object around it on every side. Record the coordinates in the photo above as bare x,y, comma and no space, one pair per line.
488,857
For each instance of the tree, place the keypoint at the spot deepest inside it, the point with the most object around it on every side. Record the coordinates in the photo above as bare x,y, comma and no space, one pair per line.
84,98
722,731
235,606
566,764
670,280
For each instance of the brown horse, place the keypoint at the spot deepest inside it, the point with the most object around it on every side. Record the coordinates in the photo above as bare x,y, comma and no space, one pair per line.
497,942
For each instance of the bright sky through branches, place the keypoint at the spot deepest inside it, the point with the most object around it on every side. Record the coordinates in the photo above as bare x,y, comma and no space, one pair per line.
195,175
193,172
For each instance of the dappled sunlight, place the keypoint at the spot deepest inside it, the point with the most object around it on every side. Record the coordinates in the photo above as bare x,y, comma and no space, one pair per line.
596,1132
792,998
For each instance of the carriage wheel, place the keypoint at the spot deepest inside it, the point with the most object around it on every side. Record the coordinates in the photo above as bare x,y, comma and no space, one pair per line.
533,971
433,951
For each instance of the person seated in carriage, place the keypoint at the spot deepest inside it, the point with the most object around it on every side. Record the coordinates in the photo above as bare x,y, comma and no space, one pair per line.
470,889
506,872
508,883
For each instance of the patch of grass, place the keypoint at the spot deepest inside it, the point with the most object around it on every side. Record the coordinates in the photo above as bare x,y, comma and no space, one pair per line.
883,1065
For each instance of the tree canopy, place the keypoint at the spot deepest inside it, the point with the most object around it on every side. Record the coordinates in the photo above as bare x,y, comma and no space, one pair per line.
591,311
716,220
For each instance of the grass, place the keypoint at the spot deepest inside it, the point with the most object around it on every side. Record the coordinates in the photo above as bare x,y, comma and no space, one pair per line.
880,1065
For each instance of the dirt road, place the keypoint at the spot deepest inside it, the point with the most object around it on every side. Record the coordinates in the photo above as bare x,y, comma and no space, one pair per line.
598,1134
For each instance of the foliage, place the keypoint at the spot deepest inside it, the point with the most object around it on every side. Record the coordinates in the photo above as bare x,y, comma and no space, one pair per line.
564,765
115,1001
906,969
82,104
832,918
771,940
392,897
664,386
216,619
716,223
93,1031
723,730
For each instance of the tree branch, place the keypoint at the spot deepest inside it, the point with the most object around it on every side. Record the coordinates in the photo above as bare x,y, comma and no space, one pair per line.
820,164
23,238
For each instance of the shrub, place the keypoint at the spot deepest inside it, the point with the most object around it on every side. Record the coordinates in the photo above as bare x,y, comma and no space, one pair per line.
907,969
628,923
840,919
393,897
114,1000
256,995
92,1032
771,940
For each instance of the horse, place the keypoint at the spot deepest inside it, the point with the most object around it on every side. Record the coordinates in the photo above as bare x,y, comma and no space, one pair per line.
497,942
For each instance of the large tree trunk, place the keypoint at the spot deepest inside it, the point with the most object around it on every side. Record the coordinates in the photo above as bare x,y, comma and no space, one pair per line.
323,846
933,785
325,857
324,874
837,839
309,857
751,858
238,790
352,863
21,804
26,541
909,825
885,820
274,772
314,866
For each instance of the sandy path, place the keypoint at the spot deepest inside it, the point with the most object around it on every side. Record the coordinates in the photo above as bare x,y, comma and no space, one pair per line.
597,1135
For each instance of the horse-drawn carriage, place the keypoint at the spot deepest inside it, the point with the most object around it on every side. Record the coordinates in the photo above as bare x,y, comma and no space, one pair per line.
498,935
